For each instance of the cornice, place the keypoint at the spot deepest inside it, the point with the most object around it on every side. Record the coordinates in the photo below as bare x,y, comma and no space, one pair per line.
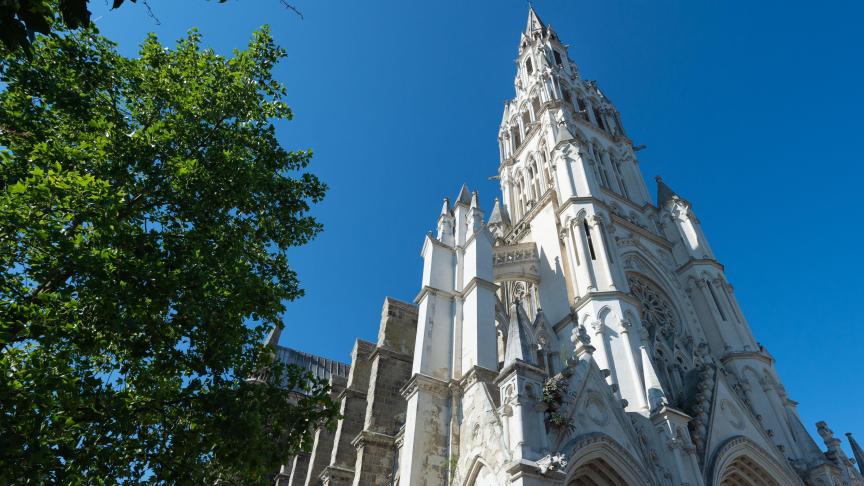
374,438
476,374
641,231
426,383
520,367
389,353
477,282
434,291
603,296
735,356
351,393
699,261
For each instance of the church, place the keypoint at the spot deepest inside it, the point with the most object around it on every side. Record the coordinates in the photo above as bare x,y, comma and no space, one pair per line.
581,334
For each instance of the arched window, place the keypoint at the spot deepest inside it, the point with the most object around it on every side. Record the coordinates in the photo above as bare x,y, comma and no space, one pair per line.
557,57
599,119
601,166
580,103
588,237
660,319
565,93
528,66
516,137
616,165
526,121
547,168
535,107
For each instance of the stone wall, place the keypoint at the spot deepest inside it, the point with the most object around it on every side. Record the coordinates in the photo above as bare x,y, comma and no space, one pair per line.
361,450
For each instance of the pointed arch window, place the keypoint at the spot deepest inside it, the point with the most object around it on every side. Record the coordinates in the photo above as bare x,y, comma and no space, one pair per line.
557,58
529,68
716,300
588,237
580,103
599,119
601,167
616,165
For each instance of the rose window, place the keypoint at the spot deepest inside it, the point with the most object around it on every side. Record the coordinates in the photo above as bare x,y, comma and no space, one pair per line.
657,313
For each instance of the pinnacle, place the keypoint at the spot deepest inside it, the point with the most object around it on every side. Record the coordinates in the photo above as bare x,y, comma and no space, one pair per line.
445,208
534,22
464,196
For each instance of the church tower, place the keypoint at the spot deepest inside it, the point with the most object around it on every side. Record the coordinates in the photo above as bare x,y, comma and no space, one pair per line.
583,334
586,334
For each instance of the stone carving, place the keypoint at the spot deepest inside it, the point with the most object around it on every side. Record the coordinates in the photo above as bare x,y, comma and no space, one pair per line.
551,462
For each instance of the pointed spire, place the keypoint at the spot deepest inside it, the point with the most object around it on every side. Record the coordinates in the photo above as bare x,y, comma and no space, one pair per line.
856,451
499,215
474,203
519,338
534,22
464,196
445,209
665,193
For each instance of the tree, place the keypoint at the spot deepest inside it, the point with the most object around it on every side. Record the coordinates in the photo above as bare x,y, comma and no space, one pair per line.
146,207
21,19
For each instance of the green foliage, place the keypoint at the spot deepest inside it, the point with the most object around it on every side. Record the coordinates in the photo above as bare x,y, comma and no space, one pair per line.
555,390
145,210
21,19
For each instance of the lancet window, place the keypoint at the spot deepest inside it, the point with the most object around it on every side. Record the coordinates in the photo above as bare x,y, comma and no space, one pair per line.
599,119
616,165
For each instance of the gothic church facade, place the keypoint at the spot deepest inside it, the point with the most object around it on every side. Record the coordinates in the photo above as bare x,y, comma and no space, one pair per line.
582,334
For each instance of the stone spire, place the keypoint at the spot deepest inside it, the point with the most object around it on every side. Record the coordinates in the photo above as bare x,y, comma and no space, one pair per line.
499,215
475,215
519,338
445,224
464,196
534,22
445,208
665,193
856,451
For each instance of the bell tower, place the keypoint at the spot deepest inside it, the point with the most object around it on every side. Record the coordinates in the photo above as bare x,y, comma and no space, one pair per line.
586,323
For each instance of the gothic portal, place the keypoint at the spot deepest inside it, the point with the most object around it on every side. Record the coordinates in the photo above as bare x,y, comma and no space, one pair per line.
581,335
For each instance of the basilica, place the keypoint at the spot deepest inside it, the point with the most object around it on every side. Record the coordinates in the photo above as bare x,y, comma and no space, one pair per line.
579,333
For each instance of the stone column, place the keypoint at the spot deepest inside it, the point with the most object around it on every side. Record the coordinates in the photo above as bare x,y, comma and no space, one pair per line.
602,251
586,280
631,363
423,460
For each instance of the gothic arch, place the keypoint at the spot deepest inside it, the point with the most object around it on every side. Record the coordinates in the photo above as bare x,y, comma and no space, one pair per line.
741,462
647,265
479,474
596,457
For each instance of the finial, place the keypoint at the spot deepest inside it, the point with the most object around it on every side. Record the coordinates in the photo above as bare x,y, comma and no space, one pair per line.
658,178
475,204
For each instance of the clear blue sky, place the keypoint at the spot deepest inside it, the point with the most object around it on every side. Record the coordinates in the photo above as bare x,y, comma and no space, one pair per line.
751,110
